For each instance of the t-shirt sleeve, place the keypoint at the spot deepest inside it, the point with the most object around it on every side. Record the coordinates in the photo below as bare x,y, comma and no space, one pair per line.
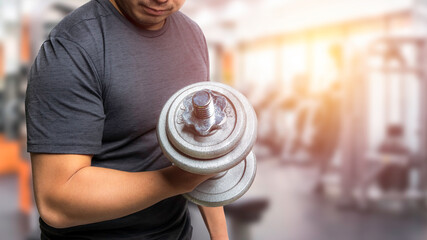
64,106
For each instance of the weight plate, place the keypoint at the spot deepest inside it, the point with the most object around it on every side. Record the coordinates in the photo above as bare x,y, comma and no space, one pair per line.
220,141
216,165
228,188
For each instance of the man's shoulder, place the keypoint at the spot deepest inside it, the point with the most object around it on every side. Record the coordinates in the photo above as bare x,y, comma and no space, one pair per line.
81,22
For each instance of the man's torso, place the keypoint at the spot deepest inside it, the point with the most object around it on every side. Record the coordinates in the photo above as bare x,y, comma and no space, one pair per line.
137,71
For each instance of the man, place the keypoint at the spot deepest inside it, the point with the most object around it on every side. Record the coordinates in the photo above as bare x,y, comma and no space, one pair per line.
95,92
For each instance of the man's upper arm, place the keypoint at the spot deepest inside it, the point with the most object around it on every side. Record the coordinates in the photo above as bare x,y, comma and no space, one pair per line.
50,171
57,168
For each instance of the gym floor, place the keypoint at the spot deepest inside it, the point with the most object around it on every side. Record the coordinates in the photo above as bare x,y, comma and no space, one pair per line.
293,212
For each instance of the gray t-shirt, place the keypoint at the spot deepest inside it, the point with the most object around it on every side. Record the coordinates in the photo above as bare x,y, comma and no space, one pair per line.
97,87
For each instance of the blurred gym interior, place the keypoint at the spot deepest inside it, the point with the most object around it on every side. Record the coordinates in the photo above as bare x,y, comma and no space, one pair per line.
339,88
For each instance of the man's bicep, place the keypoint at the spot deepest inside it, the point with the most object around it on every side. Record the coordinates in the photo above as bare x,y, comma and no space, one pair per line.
50,175
52,170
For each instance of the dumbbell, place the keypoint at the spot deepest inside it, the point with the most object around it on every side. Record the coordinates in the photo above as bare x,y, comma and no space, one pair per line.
208,128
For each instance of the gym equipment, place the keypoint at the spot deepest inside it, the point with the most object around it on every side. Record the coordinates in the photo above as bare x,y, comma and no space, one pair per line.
208,128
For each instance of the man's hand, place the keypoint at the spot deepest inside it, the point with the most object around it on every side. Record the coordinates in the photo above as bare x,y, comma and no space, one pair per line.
70,192
183,180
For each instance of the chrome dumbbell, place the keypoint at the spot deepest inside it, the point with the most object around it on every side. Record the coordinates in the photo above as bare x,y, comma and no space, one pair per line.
208,128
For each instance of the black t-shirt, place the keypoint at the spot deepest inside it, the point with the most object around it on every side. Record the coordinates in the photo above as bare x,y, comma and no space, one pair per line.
97,87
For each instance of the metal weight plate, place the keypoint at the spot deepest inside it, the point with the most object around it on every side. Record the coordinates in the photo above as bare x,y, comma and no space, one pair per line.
217,144
228,188
196,165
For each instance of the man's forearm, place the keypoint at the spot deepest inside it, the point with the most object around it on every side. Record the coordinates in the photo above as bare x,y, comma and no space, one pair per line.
96,194
215,222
